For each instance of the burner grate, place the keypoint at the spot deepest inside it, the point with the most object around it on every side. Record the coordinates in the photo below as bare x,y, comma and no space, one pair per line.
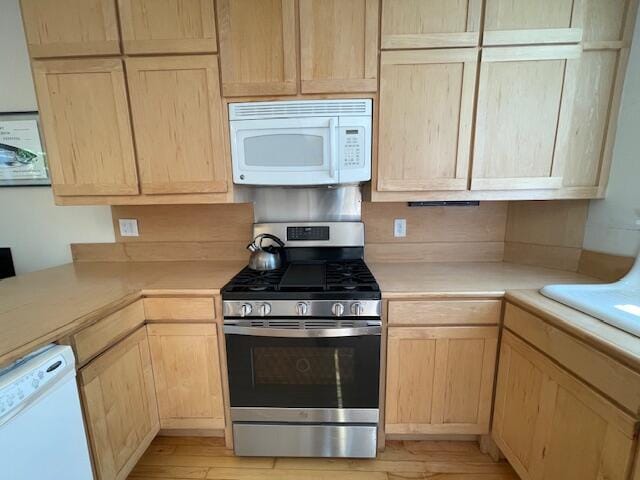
339,276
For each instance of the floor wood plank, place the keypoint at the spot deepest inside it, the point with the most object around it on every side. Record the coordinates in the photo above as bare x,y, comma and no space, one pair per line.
350,465
200,458
205,461
163,472
283,474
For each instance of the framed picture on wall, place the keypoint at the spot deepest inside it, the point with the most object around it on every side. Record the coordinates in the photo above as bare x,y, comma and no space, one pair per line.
23,161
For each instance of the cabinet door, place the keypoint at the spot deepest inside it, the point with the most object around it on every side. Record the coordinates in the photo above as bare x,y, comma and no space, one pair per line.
258,47
430,23
186,366
178,121
169,26
551,426
426,115
440,379
522,120
119,400
85,119
599,78
65,28
338,45
519,22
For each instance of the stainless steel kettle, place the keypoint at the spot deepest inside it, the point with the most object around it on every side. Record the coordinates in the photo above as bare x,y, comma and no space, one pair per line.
265,258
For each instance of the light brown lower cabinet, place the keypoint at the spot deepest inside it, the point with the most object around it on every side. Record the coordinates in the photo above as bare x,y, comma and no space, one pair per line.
551,426
440,379
119,399
186,366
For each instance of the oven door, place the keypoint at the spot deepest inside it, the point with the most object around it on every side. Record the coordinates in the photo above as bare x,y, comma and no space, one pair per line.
294,151
304,374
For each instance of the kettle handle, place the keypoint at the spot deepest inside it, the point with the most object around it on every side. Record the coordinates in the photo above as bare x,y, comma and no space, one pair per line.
262,236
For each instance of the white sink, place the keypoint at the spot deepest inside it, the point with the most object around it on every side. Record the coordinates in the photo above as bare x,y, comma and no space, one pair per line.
617,304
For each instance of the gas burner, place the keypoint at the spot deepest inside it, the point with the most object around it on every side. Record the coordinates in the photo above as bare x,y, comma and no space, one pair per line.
306,280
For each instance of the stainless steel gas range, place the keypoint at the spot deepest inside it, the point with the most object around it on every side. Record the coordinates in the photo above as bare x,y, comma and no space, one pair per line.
303,347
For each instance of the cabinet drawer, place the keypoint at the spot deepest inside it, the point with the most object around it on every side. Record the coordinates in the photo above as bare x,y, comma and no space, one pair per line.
594,367
444,312
176,309
96,338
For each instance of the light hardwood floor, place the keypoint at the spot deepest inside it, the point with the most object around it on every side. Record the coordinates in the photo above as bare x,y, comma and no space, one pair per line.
206,458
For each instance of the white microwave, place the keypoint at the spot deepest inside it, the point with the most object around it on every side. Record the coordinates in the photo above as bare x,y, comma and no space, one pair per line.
305,142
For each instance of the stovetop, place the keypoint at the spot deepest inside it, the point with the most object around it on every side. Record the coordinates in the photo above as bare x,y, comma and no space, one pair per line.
306,280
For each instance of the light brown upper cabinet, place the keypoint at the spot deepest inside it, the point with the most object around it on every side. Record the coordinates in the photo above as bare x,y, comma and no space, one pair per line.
85,119
168,26
430,23
522,119
119,402
186,367
599,77
65,28
552,426
338,45
177,117
426,117
440,380
258,47
519,22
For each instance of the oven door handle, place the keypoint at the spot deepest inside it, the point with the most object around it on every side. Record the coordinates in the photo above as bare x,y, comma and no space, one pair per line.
302,332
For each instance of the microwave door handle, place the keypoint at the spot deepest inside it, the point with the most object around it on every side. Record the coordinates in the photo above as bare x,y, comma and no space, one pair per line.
333,158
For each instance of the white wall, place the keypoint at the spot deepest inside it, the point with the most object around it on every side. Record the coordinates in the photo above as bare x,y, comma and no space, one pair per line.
614,223
37,231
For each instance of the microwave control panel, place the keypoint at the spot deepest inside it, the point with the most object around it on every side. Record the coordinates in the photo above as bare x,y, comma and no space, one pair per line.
352,147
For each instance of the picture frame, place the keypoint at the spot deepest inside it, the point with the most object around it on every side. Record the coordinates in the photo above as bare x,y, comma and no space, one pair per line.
23,160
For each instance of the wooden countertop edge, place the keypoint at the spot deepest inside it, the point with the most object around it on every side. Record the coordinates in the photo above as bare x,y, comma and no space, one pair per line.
443,294
526,299
89,319
521,298
70,328
178,292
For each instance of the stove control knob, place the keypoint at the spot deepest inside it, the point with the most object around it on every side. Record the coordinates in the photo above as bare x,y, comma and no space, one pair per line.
357,309
337,309
246,309
302,309
265,309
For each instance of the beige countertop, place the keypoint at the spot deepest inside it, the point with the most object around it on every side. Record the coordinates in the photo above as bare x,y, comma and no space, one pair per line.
44,306
407,280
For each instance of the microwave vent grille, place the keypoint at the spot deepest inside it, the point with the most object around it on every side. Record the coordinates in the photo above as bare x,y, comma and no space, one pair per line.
309,108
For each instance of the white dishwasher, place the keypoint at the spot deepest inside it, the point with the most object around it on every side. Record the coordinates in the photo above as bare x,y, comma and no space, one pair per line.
42,434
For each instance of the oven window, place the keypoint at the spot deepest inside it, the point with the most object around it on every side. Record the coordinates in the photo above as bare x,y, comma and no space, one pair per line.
303,372
303,366
301,150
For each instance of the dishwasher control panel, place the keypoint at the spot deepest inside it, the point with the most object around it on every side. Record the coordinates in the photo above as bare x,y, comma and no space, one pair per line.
25,386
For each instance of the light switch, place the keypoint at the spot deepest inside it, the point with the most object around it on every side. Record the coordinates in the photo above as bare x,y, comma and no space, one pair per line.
400,227
128,227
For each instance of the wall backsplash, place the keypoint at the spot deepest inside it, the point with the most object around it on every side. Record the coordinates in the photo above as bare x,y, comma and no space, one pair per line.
435,234
547,234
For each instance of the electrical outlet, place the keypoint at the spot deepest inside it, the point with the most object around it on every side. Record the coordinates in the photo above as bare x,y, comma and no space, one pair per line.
400,227
128,227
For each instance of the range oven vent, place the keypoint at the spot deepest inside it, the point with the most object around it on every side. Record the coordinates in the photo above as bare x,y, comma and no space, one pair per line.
304,108
304,324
